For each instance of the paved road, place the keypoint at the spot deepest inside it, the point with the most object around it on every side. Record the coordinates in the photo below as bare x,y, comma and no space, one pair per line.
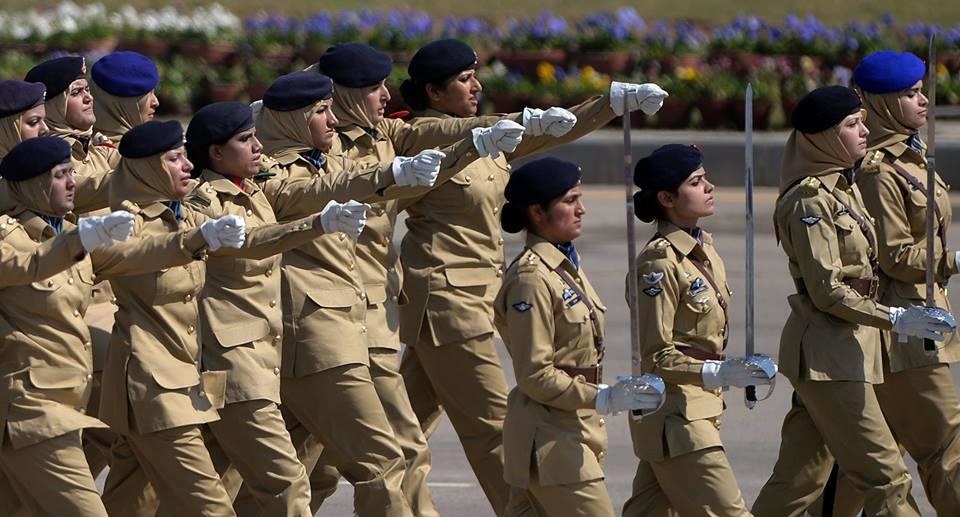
751,437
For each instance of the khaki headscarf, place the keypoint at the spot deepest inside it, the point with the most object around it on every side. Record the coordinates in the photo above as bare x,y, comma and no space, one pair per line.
32,194
115,115
285,130
815,154
348,107
885,118
142,181
9,133
57,118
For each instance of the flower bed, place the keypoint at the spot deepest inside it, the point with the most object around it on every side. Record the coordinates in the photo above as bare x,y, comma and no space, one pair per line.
210,53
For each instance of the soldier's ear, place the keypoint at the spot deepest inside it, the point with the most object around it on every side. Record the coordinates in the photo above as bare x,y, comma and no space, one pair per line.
216,152
666,199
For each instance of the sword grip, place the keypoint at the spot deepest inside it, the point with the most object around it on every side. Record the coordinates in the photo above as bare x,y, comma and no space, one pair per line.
750,395
929,346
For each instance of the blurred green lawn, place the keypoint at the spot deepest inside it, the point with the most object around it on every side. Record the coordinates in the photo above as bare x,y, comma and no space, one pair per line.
831,11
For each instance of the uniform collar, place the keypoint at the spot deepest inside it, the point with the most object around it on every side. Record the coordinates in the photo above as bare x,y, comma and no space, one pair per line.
225,185
680,238
155,210
832,180
430,112
355,133
35,224
548,252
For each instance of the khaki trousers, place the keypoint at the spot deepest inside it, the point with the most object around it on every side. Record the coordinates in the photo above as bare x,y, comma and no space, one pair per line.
338,414
697,484
842,420
176,462
49,479
406,428
584,499
466,381
923,412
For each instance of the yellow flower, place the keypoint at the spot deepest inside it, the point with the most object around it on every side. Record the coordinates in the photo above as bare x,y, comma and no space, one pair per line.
545,73
687,73
942,71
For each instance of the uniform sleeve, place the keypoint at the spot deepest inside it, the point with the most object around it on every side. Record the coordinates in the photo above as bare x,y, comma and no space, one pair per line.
148,253
293,198
528,315
657,308
18,267
592,114
900,257
267,240
817,250
459,156
429,132
92,191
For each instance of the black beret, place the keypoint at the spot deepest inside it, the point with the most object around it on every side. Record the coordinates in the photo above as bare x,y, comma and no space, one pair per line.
150,138
218,122
533,183
19,96
57,73
887,71
667,167
296,90
355,65
33,157
441,59
125,74
824,108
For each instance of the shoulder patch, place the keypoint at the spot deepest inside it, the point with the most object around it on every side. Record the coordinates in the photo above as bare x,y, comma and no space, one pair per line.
809,186
653,277
871,162
652,291
522,306
810,220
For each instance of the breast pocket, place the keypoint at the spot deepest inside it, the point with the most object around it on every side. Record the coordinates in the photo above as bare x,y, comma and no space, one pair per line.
175,283
696,313
851,240
577,325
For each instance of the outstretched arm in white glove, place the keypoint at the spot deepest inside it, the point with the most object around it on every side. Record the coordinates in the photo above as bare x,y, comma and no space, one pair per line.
629,393
925,322
419,171
100,230
349,218
647,97
229,231
554,121
502,137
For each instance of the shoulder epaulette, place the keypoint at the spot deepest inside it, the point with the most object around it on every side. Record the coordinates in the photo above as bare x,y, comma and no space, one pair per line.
7,225
130,206
201,196
809,186
657,248
871,162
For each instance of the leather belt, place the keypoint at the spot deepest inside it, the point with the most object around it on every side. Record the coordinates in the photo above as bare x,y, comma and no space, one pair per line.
591,374
699,354
866,287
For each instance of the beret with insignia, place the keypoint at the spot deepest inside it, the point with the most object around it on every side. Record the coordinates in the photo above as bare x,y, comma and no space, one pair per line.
151,138
57,74
355,65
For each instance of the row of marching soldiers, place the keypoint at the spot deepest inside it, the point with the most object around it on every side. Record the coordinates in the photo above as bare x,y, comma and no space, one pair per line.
255,355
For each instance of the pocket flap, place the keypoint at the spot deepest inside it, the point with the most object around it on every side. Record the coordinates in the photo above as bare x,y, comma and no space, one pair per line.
56,378
845,222
335,297
184,376
702,405
470,276
241,333
376,293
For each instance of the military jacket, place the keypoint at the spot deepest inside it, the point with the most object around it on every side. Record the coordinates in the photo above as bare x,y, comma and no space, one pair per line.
900,209
833,331
94,164
545,323
679,306
453,250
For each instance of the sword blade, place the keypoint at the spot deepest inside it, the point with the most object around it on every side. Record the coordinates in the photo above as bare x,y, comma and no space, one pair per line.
632,285
928,345
750,393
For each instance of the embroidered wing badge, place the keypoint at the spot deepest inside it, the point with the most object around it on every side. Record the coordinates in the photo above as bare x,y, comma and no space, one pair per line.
810,220
522,306
653,291
653,278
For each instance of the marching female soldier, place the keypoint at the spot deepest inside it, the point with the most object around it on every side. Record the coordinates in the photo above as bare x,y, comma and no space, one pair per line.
453,256
551,320
21,113
830,348
682,307
123,92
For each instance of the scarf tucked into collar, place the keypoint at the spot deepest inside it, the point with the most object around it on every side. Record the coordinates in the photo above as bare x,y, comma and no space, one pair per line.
570,251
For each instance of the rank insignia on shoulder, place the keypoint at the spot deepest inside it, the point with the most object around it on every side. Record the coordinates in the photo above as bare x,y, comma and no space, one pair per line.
653,278
810,220
698,286
522,306
871,163
568,293
652,291
809,186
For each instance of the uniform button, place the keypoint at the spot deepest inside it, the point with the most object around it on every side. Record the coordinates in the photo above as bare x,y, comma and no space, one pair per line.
602,454
586,317
89,376
113,300
939,192
386,241
363,329
273,303
500,242
70,281
276,339
496,209
3,226
706,262
499,273
269,272
203,394
86,344
187,298
76,313
49,283
82,409
249,212
490,177
603,422
363,296
352,265
190,329
342,236
391,270
395,299
276,371
466,178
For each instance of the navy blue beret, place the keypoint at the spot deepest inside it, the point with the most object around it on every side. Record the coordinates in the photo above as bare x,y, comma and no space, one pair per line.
57,74
887,71
125,74
667,167
824,108
215,124
19,96
533,183
441,59
151,138
296,90
355,65
33,157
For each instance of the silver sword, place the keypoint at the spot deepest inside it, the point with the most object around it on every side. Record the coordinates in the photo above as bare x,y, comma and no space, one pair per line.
928,344
750,393
632,286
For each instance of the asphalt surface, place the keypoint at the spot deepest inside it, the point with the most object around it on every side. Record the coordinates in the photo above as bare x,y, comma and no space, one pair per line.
751,438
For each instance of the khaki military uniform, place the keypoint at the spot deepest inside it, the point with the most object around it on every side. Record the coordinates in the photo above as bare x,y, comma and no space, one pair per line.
452,265
682,307
830,351
156,391
918,397
554,441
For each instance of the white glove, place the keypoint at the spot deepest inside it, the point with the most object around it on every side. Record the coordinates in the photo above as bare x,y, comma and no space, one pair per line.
349,218
629,393
921,322
554,122
504,136
98,230
733,372
420,171
229,231
647,97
